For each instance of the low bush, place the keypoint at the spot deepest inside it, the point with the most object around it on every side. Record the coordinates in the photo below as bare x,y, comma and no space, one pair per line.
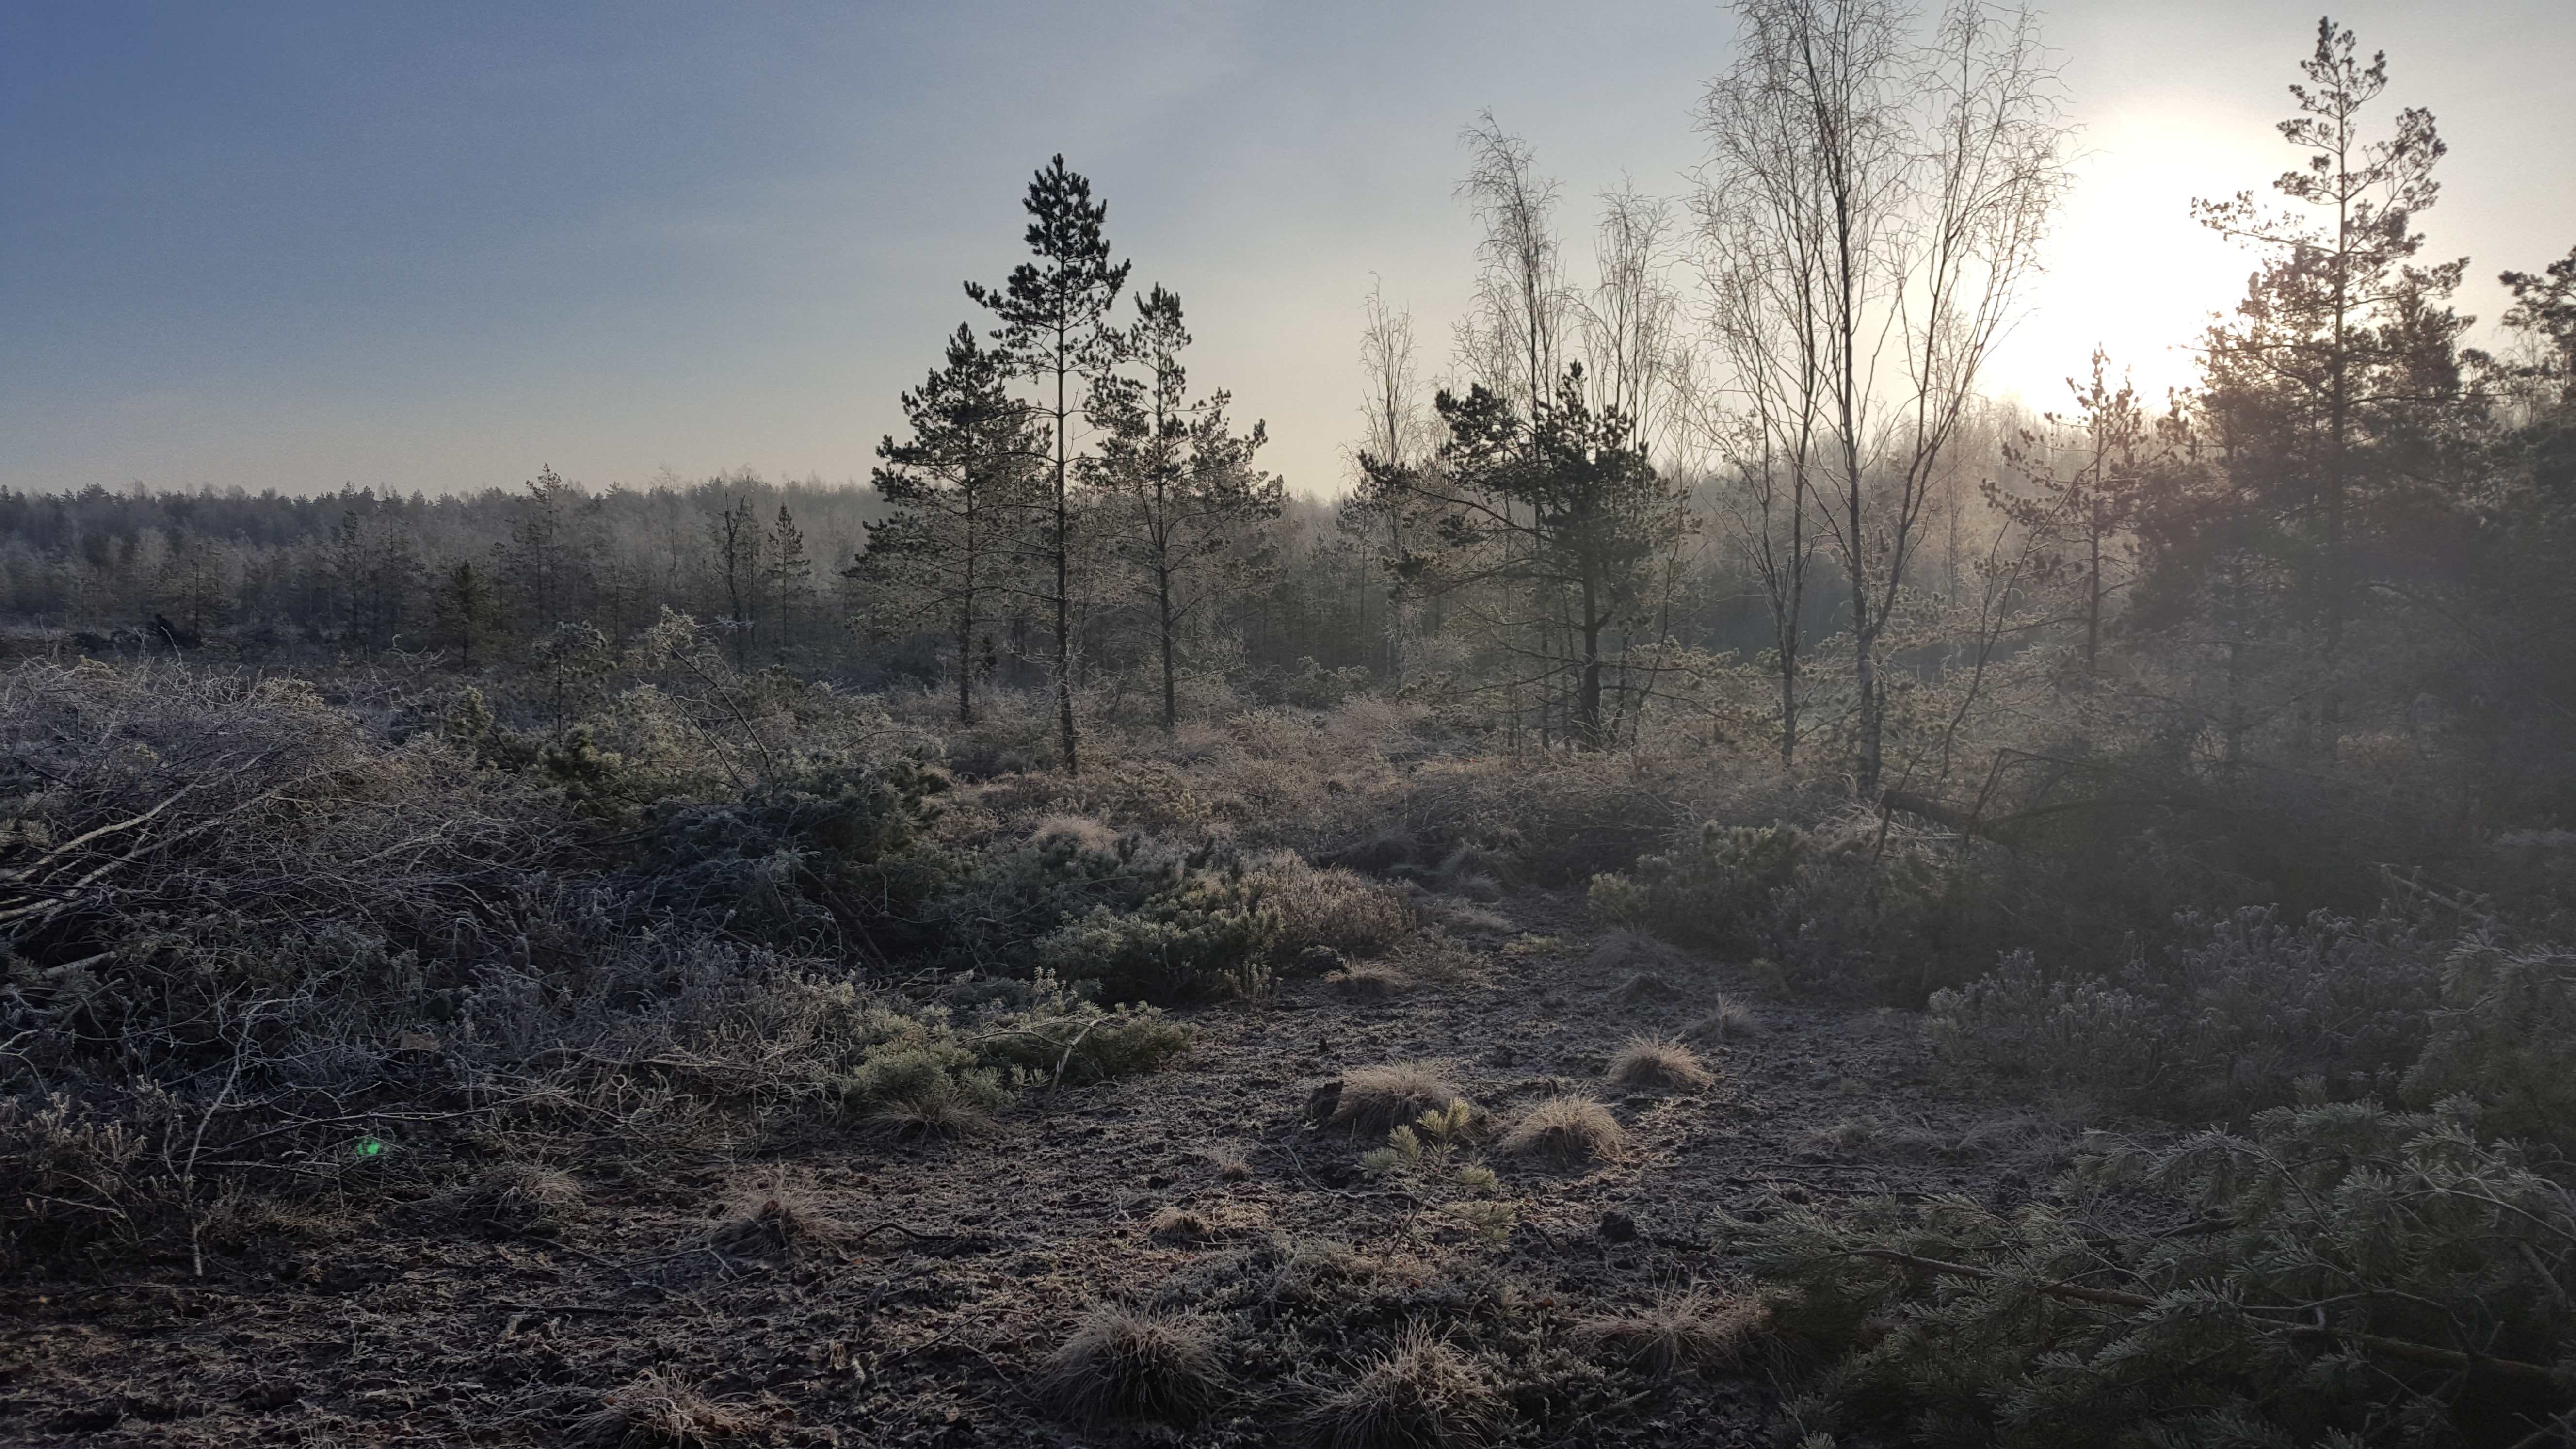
1137,920
1337,909
2505,1038
1841,907
2351,1276
2232,1020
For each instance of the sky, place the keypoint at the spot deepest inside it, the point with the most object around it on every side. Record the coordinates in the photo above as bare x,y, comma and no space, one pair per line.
305,245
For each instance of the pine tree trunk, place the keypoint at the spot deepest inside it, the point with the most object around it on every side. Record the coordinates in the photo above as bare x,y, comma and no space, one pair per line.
1063,584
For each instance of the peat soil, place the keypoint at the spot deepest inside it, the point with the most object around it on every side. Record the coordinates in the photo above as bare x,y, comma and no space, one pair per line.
966,1263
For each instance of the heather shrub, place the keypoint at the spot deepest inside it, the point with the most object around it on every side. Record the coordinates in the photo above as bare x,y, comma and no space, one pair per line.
1333,908
2231,1020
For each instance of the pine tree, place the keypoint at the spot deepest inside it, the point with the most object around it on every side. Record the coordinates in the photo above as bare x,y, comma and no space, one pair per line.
544,561
962,486
735,534
1056,331
2330,386
1184,495
1564,508
789,573
464,610
2077,516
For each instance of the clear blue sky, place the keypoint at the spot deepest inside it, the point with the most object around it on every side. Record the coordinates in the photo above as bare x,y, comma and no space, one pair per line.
435,246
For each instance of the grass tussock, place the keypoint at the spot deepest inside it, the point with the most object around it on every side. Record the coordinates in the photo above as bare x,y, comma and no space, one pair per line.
1568,1129
1420,1394
1322,1269
1660,1063
519,1197
1621,949
1369,981
659,1410
1726,1019
780,1220
1379,1099
1123,1363
1690,1331
1181,1225
939,1108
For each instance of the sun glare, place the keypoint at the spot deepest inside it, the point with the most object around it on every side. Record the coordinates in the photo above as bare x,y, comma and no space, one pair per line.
2129,269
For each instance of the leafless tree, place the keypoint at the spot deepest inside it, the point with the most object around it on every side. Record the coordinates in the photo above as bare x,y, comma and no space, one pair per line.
1890,199
1629,324
1396,437
1513,339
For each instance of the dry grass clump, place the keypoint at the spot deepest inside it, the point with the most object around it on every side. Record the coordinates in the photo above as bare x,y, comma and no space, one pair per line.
1180,1225
1378,1099
1658,1062
1332,907
781,1220
1325,1268
1231,1165
1850,1134
1464,917
520,1197
1691,1330
1420,1394
658,1410
1727,1019
1369,980
1571,1129
939,1107
1123,1363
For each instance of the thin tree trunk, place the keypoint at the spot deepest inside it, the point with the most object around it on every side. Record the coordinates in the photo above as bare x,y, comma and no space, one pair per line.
1063,582
1171,694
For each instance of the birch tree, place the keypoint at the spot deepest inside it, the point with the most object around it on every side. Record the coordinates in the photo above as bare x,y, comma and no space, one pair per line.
1895,196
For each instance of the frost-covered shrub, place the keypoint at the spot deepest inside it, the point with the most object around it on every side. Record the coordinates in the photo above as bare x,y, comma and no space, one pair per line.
1207,934
2506,1039
2351,1276
2231,1021
1336,909
1061,1038
1134,920
830,860
1833,905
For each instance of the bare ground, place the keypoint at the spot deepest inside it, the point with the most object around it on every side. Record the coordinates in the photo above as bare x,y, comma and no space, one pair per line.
955,1268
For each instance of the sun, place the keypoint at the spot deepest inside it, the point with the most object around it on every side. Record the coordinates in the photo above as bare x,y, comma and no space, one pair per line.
2128,269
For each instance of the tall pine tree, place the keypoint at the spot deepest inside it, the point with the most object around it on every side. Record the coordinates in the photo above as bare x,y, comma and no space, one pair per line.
1056,331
